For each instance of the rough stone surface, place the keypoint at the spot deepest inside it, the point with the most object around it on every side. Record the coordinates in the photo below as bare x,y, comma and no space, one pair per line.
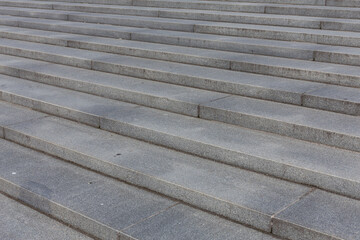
322,215
18,222
180,222
198,181
98,205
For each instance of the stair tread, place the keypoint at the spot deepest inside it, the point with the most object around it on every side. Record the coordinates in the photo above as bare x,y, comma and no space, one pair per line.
274,150
83,139
181,38
149,93
299,50
114,205
190,75
192,175
343,99
180,16
174,119
341,120
233,28
103,195
315,211
323,67
183,221
287,113
19,222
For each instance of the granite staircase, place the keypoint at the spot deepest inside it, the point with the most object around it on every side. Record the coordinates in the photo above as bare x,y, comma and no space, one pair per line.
180,119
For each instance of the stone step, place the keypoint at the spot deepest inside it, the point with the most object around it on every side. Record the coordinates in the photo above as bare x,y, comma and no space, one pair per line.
192,17
209,78
103,207
164,172
300,2
175,37
239,17
173,98
328,168
179,99
318,11
18,222
343,3
189,179
110,2
218,59
334,8
165,19
337,3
